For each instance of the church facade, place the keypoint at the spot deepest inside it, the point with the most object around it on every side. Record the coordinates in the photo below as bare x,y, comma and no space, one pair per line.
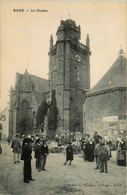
25,98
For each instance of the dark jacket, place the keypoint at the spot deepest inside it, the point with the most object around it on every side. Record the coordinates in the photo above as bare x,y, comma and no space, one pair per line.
37,148
26,149
103,152
69,153
44,150
16,145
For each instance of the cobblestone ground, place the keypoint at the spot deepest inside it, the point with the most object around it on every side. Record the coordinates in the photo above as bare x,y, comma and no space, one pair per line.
79,179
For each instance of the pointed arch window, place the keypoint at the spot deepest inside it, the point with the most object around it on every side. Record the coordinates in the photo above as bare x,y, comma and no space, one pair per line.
25,109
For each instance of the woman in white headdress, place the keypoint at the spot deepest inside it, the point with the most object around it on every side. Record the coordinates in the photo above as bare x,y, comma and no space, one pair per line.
121,152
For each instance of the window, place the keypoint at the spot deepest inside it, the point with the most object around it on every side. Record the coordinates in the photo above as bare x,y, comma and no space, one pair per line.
78,76
25,109
3,118
71,99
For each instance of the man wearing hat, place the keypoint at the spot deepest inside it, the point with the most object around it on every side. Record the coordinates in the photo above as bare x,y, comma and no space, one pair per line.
16,145
69,153
44,151
103,155
26,156
36,148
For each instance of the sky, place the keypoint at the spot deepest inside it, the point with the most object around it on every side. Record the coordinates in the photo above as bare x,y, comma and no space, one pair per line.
24,36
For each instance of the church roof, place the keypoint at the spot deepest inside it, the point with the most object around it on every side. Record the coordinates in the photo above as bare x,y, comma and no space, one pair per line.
39,97
40,84
114,77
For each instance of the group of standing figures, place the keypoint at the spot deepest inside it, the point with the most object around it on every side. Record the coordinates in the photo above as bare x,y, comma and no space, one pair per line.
97,148
24,152
41,152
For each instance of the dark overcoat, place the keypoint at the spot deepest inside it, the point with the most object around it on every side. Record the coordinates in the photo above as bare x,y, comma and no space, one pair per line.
44,150
90,151
69,153
26,149
16,145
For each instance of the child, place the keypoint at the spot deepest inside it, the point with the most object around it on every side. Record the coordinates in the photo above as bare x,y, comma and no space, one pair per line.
103,155
69,153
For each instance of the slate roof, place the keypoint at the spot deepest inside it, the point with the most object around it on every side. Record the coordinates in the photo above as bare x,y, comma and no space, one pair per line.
114,77
40,84
39,97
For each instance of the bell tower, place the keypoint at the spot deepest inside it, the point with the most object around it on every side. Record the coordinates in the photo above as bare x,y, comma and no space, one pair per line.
69,75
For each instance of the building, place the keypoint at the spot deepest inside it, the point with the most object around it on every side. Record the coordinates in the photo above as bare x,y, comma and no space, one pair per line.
105,104
69,75
25,98
104,108
4,121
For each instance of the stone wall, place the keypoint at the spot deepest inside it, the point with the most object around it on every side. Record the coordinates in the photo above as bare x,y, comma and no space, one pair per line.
110,103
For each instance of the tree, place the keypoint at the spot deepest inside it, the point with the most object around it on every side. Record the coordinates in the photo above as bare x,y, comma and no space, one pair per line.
24,126
53,115
42,111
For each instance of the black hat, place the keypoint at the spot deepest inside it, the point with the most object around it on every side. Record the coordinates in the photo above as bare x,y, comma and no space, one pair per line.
69,142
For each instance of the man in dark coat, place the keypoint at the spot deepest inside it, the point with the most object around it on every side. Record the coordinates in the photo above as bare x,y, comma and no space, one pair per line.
37,147
103,154
121,152
90,151
44,151
26,156
69,153
96,150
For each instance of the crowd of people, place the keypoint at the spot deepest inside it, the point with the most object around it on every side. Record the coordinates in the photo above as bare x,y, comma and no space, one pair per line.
97,148
63,139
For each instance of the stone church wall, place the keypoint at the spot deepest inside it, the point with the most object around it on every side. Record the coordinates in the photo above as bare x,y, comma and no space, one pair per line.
107,104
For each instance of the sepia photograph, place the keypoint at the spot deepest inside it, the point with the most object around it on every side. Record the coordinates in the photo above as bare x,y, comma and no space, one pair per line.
63,97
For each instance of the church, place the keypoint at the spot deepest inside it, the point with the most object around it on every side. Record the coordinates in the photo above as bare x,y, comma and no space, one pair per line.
69,79
25,99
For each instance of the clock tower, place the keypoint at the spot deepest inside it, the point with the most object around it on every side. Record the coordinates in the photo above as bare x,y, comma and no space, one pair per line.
69,75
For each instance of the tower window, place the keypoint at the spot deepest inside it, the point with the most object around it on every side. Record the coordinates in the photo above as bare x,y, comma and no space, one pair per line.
71,99
34,113
78,76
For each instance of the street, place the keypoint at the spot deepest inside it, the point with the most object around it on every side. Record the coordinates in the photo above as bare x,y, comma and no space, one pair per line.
80,178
